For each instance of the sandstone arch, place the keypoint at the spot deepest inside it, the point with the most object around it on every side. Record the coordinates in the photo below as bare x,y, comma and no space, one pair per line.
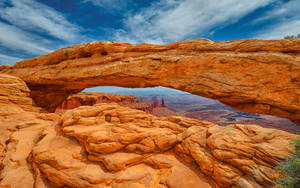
249,75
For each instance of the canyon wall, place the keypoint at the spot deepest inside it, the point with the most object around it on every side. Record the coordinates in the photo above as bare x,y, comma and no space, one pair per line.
186,105
249,75
91,98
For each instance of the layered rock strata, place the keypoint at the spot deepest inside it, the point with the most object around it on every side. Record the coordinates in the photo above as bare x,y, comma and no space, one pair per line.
183,105
21,124
110,146
91,98
249,75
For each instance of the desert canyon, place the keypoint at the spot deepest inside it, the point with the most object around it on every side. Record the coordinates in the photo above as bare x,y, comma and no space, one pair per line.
120,144
162,104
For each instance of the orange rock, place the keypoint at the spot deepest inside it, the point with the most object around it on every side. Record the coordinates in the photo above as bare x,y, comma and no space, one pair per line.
250,75
20,128
182,105
110,146
140,150
91,98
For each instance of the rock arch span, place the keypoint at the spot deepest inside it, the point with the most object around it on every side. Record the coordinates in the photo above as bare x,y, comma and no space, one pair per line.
255,76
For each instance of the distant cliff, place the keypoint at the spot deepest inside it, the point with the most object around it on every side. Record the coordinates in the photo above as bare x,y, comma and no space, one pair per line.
91,98
154,106
180,105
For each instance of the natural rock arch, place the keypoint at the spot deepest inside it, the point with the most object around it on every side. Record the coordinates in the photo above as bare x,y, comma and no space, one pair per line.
249,75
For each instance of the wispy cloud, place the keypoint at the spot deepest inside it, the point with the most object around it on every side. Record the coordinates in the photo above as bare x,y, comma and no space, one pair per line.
30,27
16,39
37,17
5,59
281,10
287,17
108,4
279,31
173,20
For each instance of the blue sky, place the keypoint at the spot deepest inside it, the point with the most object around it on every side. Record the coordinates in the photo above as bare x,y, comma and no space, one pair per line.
30,28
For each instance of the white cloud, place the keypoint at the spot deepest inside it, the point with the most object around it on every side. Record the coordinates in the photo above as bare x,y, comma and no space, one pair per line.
29,27
282,10
173,20
279,31
38,17
16,39
287,17
108,4
5,59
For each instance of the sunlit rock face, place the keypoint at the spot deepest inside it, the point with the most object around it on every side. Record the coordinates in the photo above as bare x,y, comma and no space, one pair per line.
250,75
174,104
111,146
114,146
92,98
21,125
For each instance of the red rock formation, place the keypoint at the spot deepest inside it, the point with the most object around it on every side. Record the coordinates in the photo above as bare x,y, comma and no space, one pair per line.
188,106
250,75
162,111
209,110
20,126
140,150
91,98
107,145
162,102
155,102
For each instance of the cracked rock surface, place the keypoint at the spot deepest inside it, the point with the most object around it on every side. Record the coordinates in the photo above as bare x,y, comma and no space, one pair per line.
153,151
110,146
21,124
258,76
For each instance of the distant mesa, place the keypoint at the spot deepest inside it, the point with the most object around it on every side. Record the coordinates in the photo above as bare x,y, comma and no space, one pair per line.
91,98
179,105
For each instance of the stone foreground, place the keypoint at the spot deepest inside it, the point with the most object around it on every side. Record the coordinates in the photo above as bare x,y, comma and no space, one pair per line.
109,146
249,75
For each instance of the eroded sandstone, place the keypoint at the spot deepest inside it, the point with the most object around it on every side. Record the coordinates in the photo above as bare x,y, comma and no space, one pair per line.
110,146
20,126
180,105
250,75
135,149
